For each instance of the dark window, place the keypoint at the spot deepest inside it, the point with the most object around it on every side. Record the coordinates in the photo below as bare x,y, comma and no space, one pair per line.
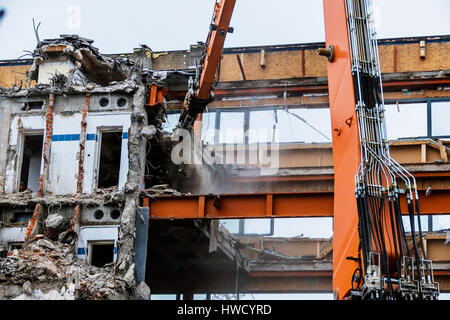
102,253
32,105
31,162
98,214
109,166
115,214
15,245
22,216
121,102
104,102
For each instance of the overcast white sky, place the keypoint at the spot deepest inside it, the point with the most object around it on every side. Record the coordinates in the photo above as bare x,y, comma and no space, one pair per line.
119,26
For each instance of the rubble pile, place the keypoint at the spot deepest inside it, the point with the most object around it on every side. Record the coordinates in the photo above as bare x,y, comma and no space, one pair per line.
94,67
45,269
161,189
105,196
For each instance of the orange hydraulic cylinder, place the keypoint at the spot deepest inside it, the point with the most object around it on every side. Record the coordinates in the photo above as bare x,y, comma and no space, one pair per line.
346,147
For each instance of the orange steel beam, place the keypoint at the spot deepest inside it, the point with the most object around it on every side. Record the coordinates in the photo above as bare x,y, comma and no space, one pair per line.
309,273
269,90
255,205
387,85
265,205
320,177
346,146
310,177
415,83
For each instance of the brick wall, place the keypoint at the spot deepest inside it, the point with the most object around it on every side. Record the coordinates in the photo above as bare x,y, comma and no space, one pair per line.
288,61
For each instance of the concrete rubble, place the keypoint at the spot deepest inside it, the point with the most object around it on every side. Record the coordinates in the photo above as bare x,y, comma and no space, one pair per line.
46,269
102,196
48,264
85,58
162,189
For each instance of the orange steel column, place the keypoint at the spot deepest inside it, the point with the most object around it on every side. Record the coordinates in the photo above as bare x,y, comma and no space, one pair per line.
346,147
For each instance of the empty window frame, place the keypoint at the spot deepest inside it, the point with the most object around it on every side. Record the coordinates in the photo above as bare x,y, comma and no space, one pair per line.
440,222
262,125
231,127
208,127
30,164
110,148
101,252
292,125
268,125
428,223
310,124
440,115
406,120
281,227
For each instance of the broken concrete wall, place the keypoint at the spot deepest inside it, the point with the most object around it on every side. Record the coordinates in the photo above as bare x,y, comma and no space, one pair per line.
5,118
50,68
76,60
143,57
75,120
137,152
92,234
96,229
14,220
63,171
45,269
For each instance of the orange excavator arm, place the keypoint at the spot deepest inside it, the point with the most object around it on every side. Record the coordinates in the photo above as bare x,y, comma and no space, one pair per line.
199,92
372,258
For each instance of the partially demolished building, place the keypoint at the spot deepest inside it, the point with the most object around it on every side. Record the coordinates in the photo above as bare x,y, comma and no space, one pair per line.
85,163
73,153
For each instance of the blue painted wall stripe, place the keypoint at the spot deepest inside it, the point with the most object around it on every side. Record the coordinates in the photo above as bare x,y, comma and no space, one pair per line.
74,137
91,136
65,137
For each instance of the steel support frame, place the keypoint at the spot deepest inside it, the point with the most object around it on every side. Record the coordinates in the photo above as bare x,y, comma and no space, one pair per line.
270,205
